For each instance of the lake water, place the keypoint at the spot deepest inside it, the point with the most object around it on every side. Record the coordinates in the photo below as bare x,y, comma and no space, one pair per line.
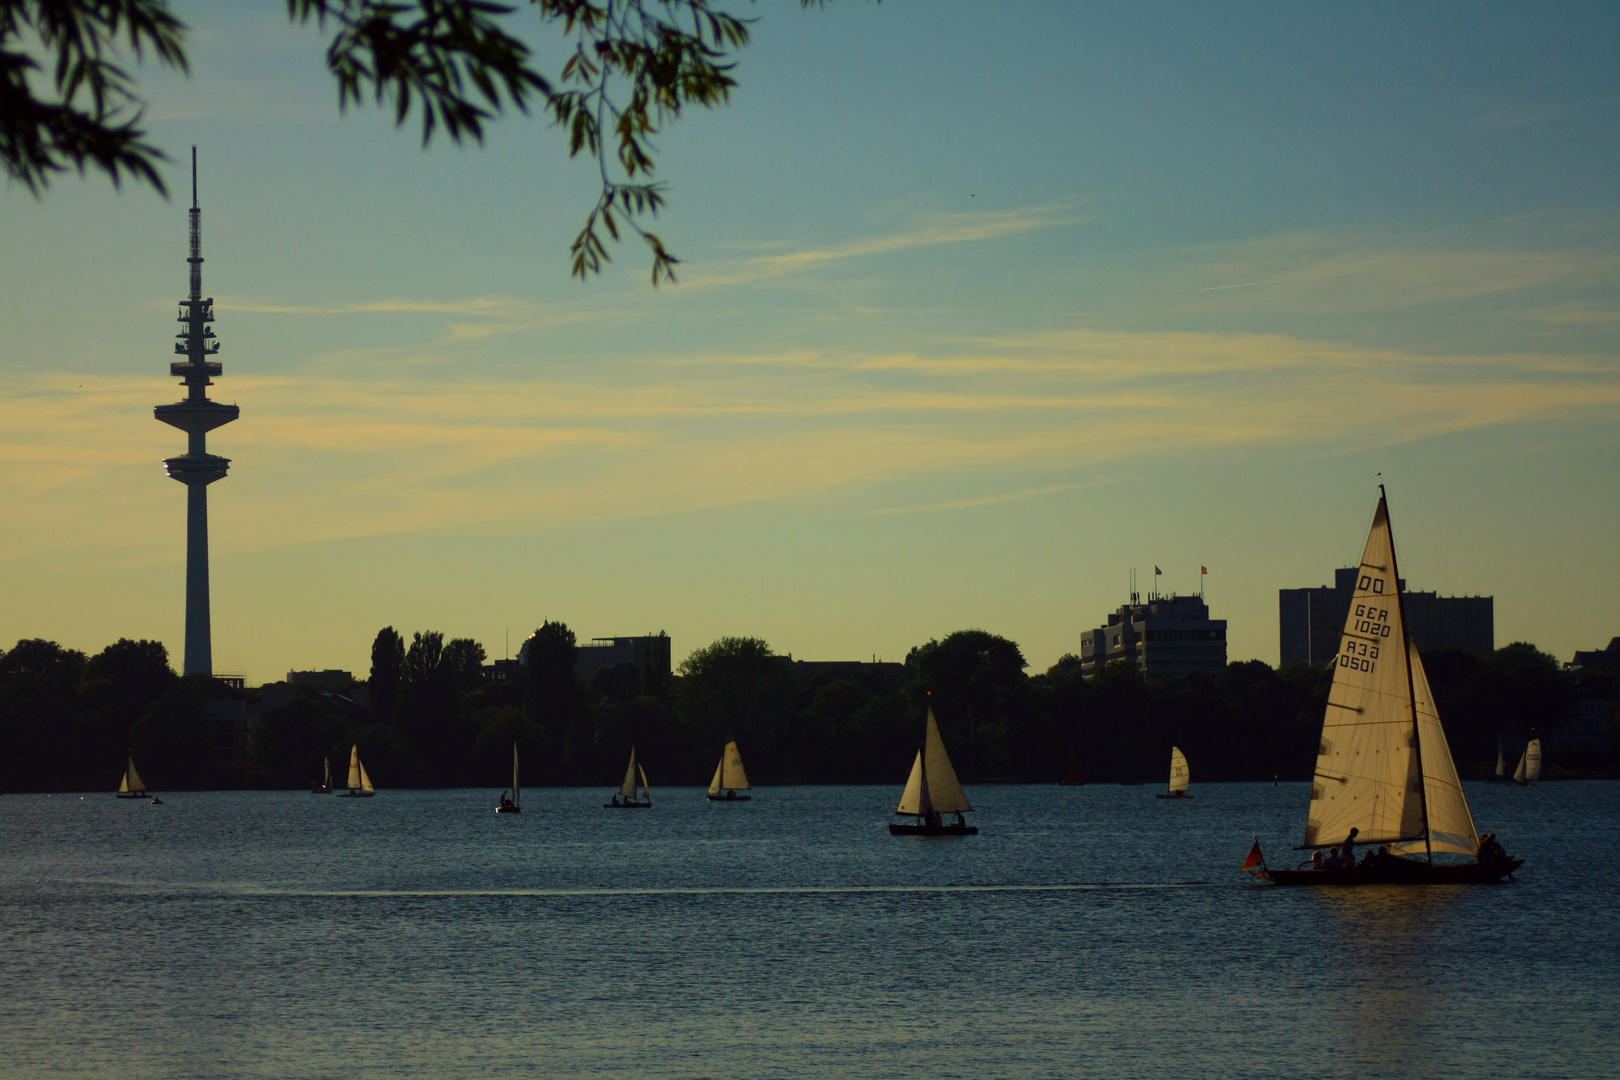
1090,931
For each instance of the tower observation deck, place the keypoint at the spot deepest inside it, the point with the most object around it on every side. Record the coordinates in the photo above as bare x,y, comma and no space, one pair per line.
196,415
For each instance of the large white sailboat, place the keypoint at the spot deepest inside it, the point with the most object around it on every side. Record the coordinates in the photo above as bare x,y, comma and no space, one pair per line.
932,791
325,786
511,804
359,783
729,777
1384,774
1180,776
1529,770
131,787
626,798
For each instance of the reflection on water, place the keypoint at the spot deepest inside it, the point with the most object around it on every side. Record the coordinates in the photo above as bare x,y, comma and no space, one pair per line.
1085,932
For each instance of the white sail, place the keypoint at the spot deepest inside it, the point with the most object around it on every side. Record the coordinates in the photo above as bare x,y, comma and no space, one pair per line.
1501,766
733,777
1180,778
354,768
1524,758
646,788
1451,824
132,779
933,784
326,768
514,774
1366,766
628,788
719,772
365,781
1532,761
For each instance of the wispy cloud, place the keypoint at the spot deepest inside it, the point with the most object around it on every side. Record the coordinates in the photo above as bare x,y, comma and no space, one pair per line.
1519,116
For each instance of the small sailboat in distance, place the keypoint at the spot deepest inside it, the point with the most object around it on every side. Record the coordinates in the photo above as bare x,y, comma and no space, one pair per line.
1384,774
1075,777
932,791
510,806
359,783
1180,778
626,798
1501,765
729,777
1529,770
130,787
325,786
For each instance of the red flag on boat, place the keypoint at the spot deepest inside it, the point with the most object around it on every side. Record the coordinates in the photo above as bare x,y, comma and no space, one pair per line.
1255,858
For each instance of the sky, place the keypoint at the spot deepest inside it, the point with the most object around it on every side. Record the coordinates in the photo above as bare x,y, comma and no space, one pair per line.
982,306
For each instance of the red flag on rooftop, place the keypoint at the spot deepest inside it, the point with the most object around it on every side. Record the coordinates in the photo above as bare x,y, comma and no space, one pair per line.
1203,569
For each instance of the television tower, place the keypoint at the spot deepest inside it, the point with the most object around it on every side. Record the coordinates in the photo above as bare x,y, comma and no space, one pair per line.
196,415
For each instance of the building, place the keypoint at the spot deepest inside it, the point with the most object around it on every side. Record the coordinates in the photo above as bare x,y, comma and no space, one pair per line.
650,654
330,678
1168,635
1309,621
196,415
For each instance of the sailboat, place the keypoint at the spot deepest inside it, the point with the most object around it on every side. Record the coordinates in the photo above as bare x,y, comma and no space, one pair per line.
359,783
510,806
130,787
932,790
1384,773
1501,765
625,798
1529,770
729,777
1075,776
1180,778
325,786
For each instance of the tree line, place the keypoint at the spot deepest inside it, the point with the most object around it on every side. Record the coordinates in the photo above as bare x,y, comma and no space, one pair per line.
435,720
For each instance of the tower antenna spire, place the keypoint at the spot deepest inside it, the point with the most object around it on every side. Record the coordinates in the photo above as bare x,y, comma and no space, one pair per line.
194,178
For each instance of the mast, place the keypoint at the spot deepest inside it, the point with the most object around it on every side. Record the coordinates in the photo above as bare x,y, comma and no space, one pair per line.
1411,693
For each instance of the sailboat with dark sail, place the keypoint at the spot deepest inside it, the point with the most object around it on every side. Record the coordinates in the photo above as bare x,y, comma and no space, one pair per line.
1180,776
627,797
1384,773
729,777
932,791
510,805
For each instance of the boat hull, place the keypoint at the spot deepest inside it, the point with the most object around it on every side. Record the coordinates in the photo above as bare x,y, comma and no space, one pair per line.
1172,795
133,795
899,829
509,809
1400,872
627,806
357,794
319,790
729,798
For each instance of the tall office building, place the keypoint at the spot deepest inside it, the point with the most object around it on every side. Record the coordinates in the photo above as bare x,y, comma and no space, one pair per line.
1309,621
196,415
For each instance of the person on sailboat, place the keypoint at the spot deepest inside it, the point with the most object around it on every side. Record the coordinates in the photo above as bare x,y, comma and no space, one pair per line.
1491,849
505,802
1349,847
1316,859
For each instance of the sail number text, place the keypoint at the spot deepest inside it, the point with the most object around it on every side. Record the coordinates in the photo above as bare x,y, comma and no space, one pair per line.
1359,656
1372,621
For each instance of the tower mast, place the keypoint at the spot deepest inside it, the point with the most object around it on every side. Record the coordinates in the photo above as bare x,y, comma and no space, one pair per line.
196,415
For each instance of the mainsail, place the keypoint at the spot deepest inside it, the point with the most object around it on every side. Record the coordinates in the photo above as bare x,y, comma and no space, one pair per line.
1451,824
1529,770
1367,763
354,768
729,774
1501,766
326,765
132,780
933,785
632,772
514,774
365,781
1179,776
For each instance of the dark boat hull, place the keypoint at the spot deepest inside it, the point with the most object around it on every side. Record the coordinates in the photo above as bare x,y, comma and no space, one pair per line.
627,806
509,809
1399,872
729,798
357,794
133,795
898,829
1172,795
318,790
